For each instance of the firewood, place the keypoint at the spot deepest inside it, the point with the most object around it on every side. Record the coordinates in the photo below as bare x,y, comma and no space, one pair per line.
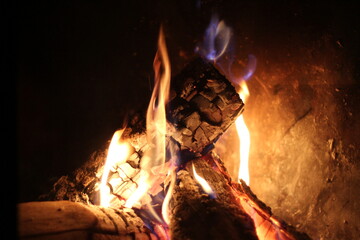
55,220
197,215
193,213
202,106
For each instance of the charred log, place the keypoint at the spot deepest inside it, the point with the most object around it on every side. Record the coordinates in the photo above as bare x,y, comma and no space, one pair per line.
193,210
204,104
196,215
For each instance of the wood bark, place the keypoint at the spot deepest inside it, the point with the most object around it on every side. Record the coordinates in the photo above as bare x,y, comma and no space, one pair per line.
58,220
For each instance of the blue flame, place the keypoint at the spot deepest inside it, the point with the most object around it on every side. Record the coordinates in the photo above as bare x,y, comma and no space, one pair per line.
216,43
250,68
216,39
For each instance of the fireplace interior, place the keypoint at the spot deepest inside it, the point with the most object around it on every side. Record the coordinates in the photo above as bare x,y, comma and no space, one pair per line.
84,67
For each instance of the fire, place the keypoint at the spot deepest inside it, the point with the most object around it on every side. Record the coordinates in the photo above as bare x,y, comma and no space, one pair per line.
203,183
155,156
244,137
153,160
266,226
164,209
216,40
117,153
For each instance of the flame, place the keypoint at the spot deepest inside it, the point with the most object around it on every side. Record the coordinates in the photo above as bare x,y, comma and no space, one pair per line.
266,226
203,183
117,153
216,39
155,156
156,113
164,208
142,188
244,137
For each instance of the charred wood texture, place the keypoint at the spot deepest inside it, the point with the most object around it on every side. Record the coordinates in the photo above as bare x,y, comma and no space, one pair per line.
203,105
194,214
79,186
197,215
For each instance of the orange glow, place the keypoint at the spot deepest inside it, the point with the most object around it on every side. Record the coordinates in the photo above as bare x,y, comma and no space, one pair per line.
244,137
117,153
267,227
203,183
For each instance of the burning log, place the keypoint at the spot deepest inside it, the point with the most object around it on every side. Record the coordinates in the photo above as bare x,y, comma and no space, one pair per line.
228,210
196,214
202,106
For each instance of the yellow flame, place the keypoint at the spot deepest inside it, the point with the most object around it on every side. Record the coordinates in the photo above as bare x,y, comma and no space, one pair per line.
164,208
117,153
156,112
155,156
143,186
244,136
203,183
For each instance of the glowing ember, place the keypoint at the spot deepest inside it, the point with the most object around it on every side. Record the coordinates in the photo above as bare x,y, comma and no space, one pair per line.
267,227
244,137
117,153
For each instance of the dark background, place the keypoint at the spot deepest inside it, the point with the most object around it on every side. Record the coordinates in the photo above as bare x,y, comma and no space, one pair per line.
81,66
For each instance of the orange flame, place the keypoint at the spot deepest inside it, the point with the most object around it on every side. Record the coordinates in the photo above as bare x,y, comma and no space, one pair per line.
117,153
244,136
155,156
266,226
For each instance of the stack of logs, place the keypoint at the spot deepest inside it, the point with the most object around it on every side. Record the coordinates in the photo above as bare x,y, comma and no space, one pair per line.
203,105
